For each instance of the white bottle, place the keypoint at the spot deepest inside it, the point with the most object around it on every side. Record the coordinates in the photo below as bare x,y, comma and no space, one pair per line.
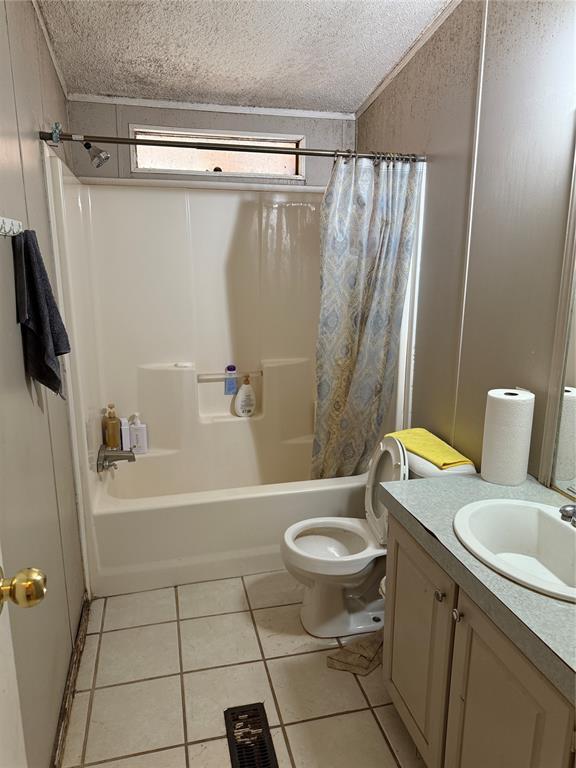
125,433
138,435
245,403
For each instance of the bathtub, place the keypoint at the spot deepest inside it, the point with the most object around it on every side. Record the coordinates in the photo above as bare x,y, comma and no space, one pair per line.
158,541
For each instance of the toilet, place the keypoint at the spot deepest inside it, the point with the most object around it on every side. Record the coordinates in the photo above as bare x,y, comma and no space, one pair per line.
342,560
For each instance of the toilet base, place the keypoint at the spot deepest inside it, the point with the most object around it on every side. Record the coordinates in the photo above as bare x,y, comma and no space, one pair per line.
329,611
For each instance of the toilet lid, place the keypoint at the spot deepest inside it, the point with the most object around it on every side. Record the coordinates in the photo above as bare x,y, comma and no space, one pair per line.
389,462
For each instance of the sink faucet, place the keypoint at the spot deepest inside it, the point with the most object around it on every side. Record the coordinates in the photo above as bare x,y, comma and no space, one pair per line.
107,457
568,513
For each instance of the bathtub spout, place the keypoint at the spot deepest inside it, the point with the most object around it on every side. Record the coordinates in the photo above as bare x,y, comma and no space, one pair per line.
107,457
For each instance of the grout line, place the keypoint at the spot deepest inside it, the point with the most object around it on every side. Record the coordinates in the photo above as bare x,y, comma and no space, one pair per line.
134,754
223,737
188,618
269,676
327,717
93,688
372,708
203,669
375,716
385,735
190,583
182,688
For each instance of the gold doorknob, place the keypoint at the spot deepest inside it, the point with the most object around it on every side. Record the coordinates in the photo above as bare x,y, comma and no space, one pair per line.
26,589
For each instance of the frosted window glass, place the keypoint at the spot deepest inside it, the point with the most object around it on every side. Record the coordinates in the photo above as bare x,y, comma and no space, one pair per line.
181,160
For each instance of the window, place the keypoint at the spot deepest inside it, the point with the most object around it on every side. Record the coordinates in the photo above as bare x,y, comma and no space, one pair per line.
151,159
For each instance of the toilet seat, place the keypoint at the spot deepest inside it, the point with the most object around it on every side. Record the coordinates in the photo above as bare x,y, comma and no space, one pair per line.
389,462
332,546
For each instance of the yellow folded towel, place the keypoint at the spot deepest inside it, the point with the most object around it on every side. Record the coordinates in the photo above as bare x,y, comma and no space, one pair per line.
429,447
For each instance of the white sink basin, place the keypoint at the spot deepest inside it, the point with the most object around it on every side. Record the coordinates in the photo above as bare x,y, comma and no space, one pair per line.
523,540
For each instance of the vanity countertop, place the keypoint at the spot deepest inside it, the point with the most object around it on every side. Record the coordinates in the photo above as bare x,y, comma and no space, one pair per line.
542,627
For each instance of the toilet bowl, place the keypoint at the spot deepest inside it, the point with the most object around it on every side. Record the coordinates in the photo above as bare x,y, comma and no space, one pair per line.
342,560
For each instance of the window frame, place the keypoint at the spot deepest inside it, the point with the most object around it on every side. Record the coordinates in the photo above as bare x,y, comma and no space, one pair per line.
262,136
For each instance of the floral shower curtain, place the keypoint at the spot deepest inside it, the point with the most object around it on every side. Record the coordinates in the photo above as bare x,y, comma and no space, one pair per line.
368,225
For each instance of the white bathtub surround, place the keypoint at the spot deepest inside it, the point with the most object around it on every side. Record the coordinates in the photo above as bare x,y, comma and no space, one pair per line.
320,718
222,275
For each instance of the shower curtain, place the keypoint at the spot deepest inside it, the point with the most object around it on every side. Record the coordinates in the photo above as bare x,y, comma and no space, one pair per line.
368,225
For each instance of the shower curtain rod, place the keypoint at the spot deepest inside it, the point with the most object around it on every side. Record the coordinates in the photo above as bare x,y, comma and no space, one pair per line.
55,137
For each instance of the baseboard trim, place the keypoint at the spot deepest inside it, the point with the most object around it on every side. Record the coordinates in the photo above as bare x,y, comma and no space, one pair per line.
67,698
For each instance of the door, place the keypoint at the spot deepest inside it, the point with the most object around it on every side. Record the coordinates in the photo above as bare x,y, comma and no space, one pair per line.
12,751
503,713
418,632
26,589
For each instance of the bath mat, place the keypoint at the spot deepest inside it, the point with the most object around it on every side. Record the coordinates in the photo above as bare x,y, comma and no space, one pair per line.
360,656
249,739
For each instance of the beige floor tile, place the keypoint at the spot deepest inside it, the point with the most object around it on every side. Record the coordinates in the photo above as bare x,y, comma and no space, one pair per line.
140,608
212,597
280,748
209,754
373,685
87,662
76,730
340,742
135,718
215,754
95,616
306,687
399,738
281,632
275,588
136,654
167,758
210,692
217,640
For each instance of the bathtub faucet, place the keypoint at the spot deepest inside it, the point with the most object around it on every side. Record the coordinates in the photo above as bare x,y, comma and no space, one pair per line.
107,457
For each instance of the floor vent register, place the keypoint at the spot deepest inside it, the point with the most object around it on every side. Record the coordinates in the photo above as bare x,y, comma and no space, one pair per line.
249,738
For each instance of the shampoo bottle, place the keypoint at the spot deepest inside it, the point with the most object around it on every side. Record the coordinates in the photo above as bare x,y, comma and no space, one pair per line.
230,381
138,435
111,428
245,403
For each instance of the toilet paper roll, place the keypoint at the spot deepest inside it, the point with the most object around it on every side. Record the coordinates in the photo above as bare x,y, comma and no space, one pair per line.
507,432
565,468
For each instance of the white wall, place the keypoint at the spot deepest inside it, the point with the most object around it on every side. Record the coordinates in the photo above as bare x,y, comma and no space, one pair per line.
486,318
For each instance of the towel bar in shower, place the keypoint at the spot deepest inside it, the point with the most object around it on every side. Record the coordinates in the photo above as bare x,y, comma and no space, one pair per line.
206,377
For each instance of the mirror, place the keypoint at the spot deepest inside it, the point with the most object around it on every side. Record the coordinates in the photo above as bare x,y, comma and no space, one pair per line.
564,471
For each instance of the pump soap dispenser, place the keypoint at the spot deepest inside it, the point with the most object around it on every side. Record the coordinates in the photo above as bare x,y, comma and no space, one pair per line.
111,435
138,435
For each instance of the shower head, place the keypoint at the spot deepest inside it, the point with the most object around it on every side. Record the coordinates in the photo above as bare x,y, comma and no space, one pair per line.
97,156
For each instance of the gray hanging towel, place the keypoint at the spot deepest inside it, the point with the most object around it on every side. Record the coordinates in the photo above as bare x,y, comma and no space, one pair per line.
44,336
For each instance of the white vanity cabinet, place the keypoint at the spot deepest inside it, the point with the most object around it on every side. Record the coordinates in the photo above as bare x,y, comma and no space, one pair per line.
467,695
418,632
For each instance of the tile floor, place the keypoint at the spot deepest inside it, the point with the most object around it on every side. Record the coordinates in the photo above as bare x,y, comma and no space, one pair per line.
160,667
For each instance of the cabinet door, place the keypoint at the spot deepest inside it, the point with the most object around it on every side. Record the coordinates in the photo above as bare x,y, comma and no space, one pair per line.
503,713
418,631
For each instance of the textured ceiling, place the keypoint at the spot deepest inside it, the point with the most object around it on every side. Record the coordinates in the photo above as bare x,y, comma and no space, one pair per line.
302,54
